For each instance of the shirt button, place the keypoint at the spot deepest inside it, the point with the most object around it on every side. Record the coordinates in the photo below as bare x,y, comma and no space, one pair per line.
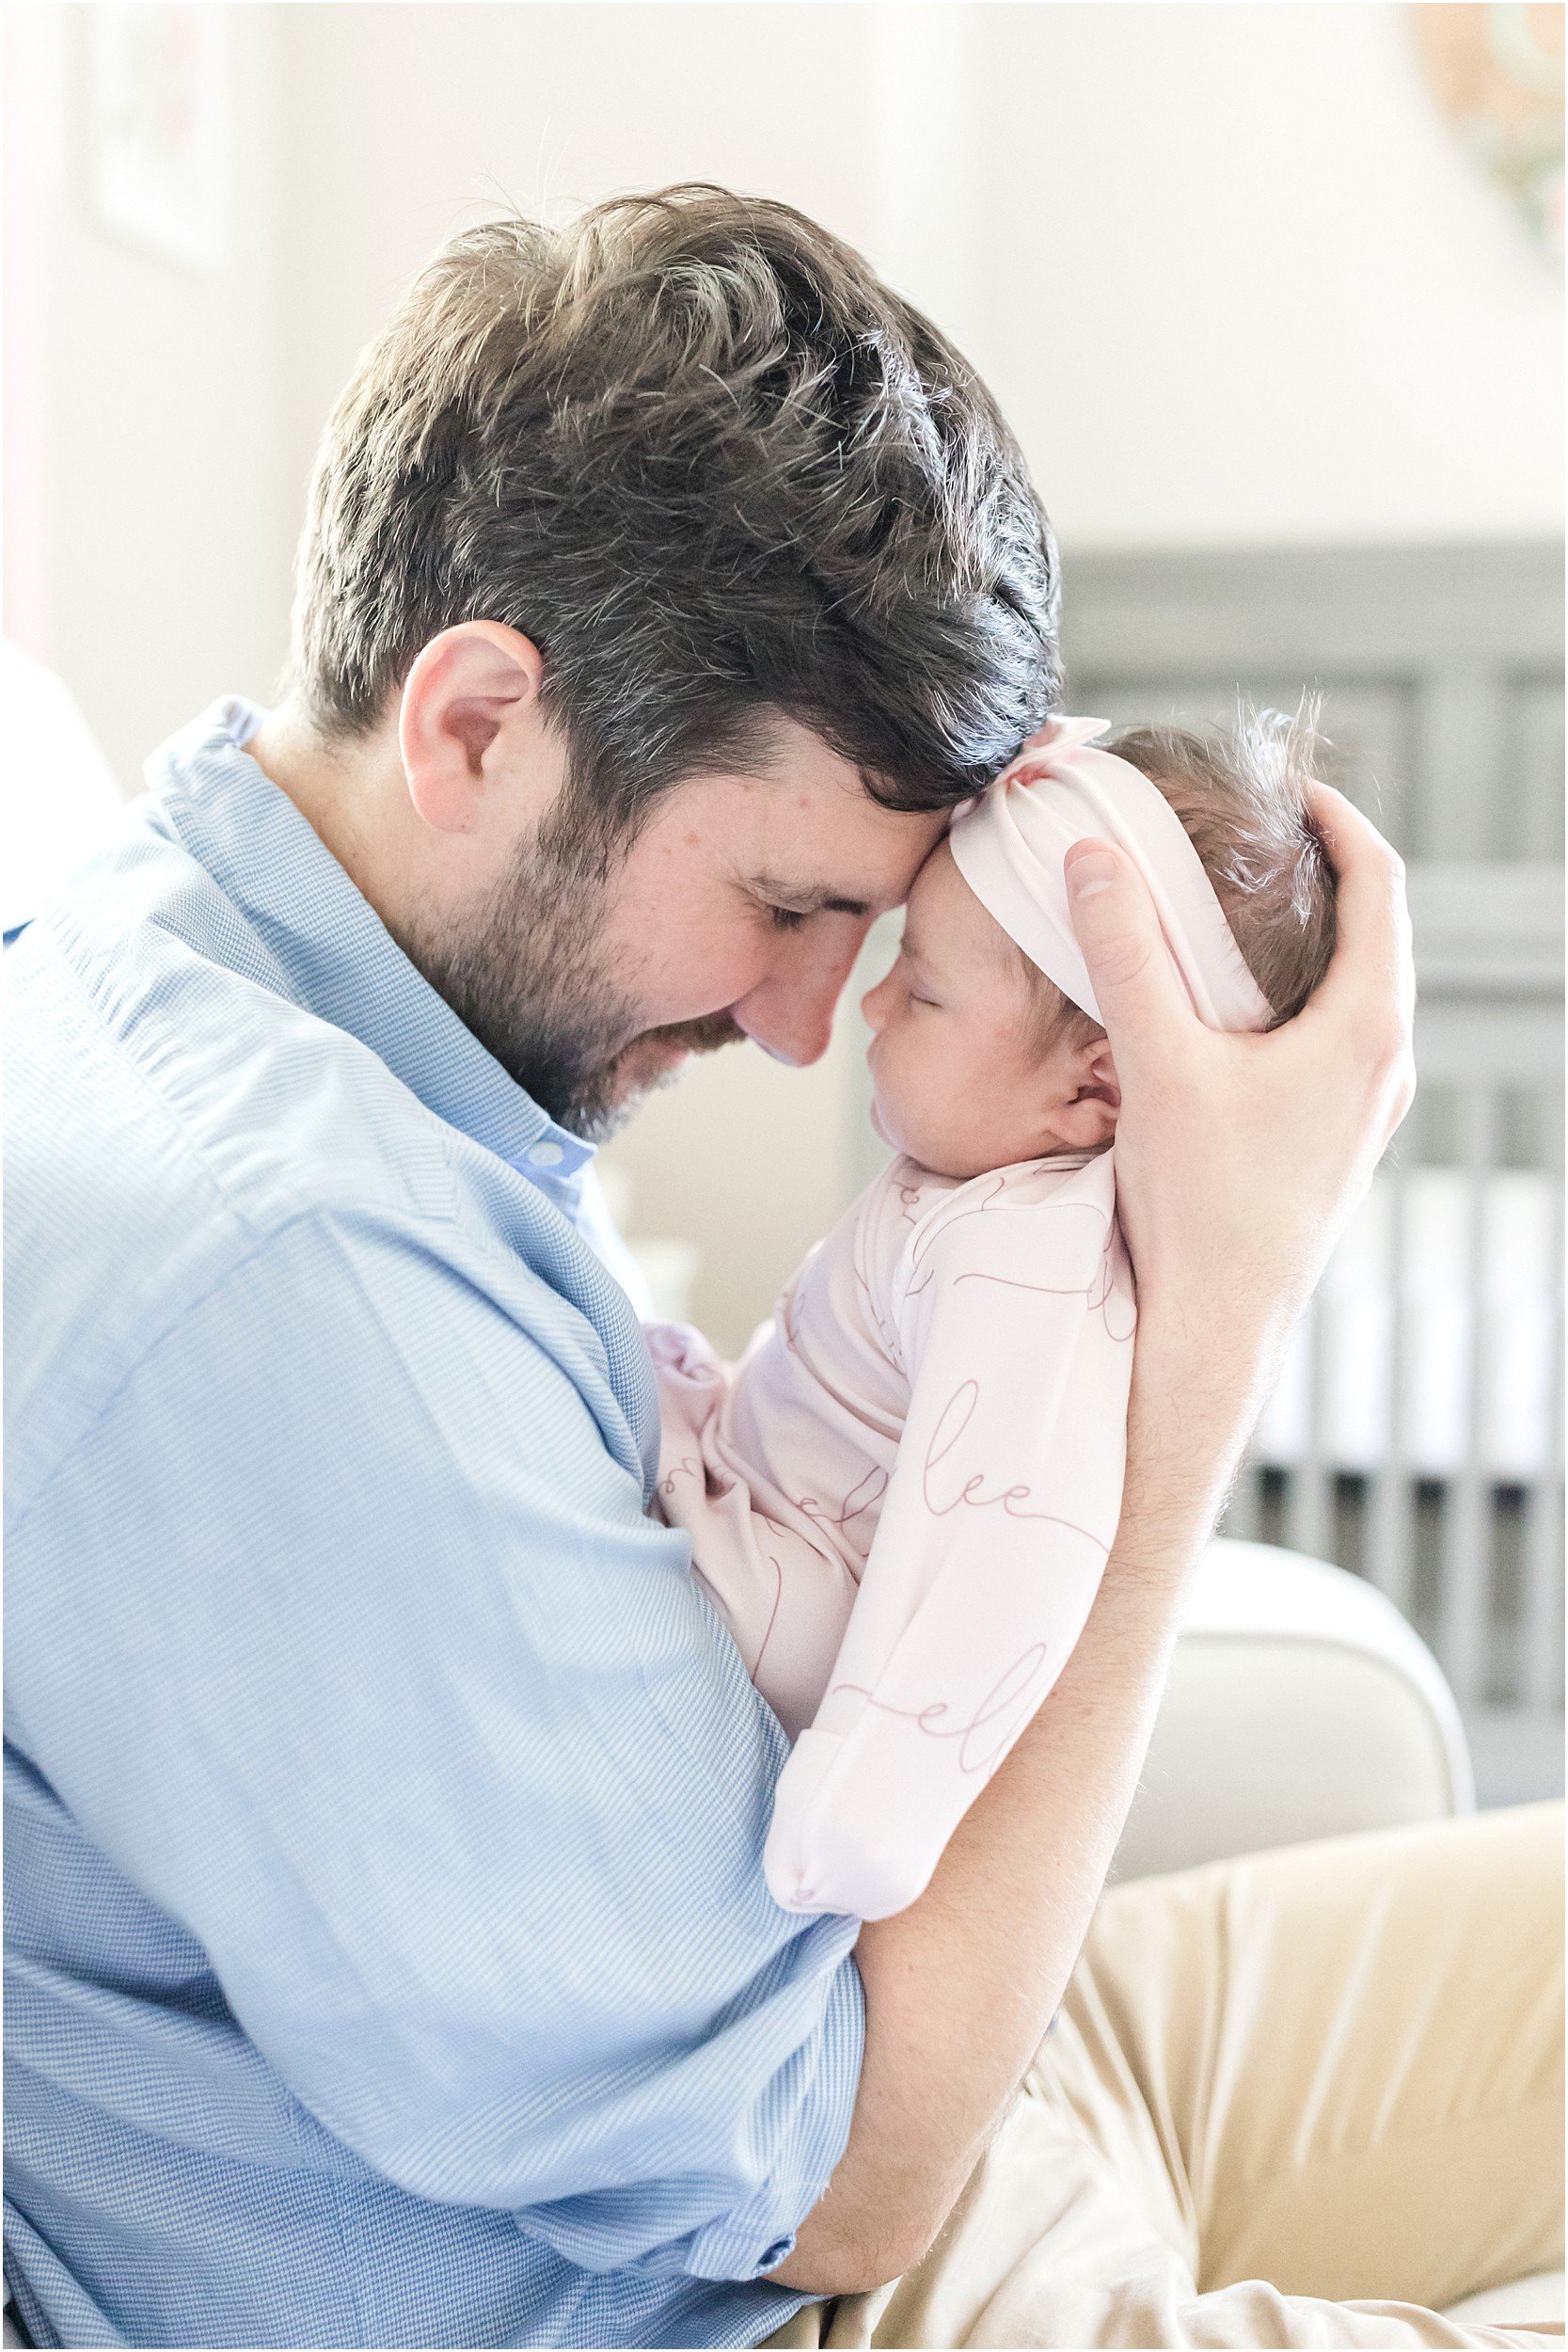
547,1154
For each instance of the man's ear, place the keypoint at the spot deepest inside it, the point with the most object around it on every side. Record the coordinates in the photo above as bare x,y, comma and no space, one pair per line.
462,702
1087,1117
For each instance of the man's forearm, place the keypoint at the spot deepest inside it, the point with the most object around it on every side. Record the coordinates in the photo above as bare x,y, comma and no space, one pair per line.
961,1987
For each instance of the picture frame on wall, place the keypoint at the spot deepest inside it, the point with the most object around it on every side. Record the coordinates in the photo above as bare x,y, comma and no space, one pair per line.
156,120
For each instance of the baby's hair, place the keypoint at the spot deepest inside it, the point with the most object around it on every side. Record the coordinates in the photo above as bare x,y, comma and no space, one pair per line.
1241,793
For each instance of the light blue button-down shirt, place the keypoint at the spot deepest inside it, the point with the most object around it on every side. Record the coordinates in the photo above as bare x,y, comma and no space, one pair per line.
389,1960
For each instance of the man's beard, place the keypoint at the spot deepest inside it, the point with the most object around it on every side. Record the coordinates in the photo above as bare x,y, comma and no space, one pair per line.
523,974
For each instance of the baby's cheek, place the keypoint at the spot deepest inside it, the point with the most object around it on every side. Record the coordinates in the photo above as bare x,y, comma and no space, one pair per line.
900,1097
944,1110
924,1085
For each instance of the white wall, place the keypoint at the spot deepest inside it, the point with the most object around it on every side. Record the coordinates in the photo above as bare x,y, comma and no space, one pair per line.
1242,285
401,124
155,531
1225,263
1227,268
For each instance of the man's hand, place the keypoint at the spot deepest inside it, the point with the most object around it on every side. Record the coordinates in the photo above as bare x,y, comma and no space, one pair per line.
1238,1161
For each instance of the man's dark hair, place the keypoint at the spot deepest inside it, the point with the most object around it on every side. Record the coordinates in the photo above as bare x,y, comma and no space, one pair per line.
694,449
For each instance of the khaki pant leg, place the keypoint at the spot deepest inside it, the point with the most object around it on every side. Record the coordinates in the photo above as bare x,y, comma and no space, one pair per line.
1333,2071
1351,2054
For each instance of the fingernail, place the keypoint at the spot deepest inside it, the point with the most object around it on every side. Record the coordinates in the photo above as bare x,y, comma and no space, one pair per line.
1086,876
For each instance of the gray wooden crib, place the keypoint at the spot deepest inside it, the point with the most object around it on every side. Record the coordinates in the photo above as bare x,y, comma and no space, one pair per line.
1416,1436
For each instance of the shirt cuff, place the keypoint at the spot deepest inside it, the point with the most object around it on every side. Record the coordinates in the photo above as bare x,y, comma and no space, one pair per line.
762,2233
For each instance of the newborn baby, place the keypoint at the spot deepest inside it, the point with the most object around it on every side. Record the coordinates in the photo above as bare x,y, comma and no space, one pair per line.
903,1497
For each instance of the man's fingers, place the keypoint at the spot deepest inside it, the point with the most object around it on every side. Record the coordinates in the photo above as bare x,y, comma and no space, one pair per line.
1139,992
1369,986
1373,964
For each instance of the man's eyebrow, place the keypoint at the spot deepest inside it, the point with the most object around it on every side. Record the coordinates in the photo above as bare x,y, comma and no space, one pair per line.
802,899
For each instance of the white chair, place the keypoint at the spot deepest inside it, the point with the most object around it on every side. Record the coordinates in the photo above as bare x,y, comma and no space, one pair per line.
1300,1705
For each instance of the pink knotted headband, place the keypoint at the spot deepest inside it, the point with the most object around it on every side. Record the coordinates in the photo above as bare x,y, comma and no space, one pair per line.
1009,846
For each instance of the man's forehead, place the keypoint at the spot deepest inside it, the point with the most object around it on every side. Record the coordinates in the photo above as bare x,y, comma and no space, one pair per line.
816,875
790,754
809,828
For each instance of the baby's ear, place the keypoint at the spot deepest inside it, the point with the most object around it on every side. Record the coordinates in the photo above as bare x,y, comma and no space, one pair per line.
1101,1070
1088,1117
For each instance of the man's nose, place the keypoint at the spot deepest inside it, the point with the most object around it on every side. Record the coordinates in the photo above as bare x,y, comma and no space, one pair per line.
790,1013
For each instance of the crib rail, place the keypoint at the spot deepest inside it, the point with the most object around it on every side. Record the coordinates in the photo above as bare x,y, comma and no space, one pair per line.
1416,1435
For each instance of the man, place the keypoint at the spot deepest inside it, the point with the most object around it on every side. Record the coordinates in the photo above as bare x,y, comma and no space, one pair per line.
391,1958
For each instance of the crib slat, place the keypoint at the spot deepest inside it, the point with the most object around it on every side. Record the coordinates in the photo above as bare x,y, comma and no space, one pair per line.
1462,719
1542,1661
1543,1610
1467,1540
1391,1505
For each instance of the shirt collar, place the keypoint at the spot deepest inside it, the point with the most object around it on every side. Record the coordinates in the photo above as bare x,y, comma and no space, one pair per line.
340,958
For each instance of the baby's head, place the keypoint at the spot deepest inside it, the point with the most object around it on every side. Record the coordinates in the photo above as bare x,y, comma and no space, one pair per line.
979,1061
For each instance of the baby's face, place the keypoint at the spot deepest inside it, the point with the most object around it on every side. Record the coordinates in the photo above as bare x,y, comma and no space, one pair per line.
960,1083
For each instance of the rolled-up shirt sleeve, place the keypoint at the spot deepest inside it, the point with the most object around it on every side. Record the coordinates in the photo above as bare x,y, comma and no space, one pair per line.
401,1705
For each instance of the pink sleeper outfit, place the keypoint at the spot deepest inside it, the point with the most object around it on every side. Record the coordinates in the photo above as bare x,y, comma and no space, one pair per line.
903,1497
